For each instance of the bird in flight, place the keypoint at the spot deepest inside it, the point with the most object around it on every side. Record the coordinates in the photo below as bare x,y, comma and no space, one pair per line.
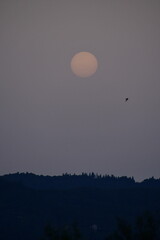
126,99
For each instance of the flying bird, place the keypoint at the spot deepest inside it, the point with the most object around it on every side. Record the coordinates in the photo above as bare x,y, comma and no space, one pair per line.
126,99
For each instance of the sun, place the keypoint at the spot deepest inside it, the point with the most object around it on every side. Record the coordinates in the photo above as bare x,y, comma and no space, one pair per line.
84,64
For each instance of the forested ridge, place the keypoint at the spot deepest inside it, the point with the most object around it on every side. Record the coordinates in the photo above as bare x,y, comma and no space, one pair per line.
30,202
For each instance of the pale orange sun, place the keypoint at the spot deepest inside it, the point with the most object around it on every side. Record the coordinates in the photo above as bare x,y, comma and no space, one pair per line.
84,64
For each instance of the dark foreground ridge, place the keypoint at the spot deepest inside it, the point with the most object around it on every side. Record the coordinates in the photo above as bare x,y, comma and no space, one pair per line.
30,202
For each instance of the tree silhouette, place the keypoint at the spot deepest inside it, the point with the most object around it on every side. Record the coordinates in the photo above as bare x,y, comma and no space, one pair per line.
123,232
146,228
66,233
50,233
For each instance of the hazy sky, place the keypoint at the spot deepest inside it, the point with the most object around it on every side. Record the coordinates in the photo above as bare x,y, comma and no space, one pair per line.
53,121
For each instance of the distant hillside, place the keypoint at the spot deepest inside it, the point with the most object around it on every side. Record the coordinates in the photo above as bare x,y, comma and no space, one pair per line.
28,202
67,181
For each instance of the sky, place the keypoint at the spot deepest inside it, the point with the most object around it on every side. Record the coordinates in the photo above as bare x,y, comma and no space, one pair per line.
53,121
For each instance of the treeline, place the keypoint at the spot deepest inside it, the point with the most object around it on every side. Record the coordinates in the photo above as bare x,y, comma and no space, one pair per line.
69,181
144,227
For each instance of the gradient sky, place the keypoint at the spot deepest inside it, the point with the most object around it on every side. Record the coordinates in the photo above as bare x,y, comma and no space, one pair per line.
53,121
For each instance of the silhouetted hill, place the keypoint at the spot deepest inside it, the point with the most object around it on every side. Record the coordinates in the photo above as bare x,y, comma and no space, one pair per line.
68,181
28,202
